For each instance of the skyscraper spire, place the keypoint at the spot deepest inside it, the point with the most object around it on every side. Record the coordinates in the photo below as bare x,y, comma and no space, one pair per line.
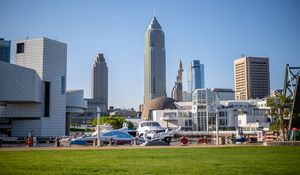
179,74
177,89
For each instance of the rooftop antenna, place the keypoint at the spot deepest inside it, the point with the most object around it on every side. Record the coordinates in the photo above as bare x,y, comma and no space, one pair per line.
154,12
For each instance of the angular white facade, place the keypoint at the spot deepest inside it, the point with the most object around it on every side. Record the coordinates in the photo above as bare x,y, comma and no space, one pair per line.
19,84
44,61
174,118
154,62
232,114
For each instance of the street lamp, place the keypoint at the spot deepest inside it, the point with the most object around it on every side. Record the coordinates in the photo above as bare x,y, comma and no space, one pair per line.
98,126
217,127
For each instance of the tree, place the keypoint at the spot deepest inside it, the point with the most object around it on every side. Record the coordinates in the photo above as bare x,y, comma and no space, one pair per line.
115,122
280,110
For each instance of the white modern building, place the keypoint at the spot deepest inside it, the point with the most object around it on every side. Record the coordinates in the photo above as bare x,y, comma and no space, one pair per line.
33,91
174,118
207,106
253,122
232,114
75,101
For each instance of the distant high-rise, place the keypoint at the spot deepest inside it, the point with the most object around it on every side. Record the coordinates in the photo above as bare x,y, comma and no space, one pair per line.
4,50
154,62
251,78
100,81
195,76
177,89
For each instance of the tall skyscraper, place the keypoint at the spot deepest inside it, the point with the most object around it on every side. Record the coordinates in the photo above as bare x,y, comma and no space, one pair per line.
195,76
154,62
4,50
48,59
251,78
100,82
177,89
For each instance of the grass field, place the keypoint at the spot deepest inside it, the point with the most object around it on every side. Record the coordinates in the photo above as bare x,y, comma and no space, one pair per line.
217,160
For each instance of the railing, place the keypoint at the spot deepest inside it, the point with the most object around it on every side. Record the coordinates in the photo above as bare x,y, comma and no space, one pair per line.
221,133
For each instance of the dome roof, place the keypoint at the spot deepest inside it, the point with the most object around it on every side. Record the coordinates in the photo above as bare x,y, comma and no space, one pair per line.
159,103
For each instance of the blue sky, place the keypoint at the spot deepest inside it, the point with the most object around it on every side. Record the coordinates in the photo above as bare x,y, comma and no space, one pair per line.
215,32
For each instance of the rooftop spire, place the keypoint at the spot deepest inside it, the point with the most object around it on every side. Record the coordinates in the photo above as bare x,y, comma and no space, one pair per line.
154,23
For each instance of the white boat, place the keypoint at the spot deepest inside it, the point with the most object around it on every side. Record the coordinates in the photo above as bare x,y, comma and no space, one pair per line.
148,126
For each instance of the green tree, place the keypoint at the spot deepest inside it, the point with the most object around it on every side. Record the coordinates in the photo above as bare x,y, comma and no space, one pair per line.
280,107
115,122
130,124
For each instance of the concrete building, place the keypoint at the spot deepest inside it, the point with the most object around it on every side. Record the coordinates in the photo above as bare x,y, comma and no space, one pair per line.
174,118
32,92
224,94
160,103
93,104
99,85
186,97
251,78
76,106
4,50
177,89
253,122
201,114
154,62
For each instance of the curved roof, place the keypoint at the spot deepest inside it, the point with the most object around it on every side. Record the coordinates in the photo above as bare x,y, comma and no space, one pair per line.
159,103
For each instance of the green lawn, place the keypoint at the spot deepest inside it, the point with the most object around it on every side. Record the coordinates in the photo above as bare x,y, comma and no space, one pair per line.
217,160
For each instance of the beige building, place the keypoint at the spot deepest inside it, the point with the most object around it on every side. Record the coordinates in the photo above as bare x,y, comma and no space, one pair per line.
99,85
251,78
154,62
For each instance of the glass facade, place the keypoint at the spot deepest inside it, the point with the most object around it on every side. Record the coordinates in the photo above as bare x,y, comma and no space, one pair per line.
204,116
195,76
63,85
4,50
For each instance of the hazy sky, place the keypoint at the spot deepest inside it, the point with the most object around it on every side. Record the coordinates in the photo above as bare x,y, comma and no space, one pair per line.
215,32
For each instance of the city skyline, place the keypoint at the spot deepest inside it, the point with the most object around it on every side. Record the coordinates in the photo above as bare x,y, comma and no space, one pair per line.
216,33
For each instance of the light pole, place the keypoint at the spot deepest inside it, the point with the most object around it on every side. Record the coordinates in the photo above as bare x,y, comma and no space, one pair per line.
98,126
217,127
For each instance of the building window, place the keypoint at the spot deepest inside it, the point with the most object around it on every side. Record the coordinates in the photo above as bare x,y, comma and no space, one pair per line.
20,47
63,85
47,99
